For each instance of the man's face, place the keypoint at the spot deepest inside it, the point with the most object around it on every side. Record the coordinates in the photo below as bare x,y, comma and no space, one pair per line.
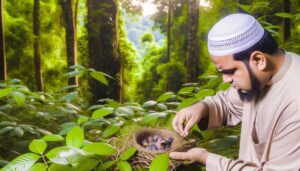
239,74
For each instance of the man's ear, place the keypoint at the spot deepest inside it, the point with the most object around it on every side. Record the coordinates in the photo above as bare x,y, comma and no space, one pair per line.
259,59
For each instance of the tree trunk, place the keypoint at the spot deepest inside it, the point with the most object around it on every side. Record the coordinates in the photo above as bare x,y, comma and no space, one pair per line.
192,40
103,46
36,45
70,37
286,21
169,30
3,72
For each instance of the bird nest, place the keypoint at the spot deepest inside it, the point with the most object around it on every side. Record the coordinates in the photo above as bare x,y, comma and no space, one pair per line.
145,156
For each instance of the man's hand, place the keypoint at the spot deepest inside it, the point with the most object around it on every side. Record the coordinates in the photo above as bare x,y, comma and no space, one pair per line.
189,115
198,155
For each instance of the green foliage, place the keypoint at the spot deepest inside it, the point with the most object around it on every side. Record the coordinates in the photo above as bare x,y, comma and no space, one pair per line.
147,38
160,163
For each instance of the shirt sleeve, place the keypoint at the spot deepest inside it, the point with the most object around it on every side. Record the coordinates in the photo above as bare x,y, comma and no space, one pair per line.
284,153
225,108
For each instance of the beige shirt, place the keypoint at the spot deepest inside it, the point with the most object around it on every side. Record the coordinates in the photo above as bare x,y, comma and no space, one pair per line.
270,133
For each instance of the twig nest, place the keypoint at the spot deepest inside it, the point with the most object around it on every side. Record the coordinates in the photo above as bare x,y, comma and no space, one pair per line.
151,142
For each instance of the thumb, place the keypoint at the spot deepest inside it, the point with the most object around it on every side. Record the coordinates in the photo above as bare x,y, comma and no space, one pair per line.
187,128
179,155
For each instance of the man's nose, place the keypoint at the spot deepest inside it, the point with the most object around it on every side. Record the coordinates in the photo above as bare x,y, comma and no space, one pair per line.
227,78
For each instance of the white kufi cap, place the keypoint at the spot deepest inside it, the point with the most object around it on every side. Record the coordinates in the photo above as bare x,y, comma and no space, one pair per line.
234,33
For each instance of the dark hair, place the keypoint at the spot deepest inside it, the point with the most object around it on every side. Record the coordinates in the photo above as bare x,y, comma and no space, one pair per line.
267,44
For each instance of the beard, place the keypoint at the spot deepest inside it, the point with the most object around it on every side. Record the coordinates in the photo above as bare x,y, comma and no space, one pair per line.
255,87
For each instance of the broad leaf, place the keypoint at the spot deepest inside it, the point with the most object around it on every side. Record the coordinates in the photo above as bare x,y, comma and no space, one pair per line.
19,98
149,104
99,76
102,112
285,15
128,153
5,92
165,96
66,155
110,130
204,93
125,111
160,163
82,119
38,167
186,90
100,149
87,164
38,146
22,162
75,137
58,167
124,166
187,102
105,165
53,137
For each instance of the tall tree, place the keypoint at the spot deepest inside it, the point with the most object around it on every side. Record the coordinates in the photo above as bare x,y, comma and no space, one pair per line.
169,30
70,37
192,40
36,45
103,46
3,73
286,21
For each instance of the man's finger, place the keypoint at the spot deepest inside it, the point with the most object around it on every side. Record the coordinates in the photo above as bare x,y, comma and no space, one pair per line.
180,123
179,155
174,123
187,128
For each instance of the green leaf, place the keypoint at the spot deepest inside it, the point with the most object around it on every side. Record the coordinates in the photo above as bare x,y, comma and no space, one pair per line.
38,167
22,162
160,163
152,117
68,87
110,130
187,102
246,8
18,131
38,146
284,15
74,73
82,119
8,123
70,97
60,155
102,112
79,67
204,93
100,149
126,111
75,137
162,107
207,134
19,97
124,166
128,153
224,86
53,138
5,92
58,167
6,129
186,90
99,76
164,97
105,165
149,104
87,164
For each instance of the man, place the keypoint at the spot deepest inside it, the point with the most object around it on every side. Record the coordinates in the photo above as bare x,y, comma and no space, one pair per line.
264,96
